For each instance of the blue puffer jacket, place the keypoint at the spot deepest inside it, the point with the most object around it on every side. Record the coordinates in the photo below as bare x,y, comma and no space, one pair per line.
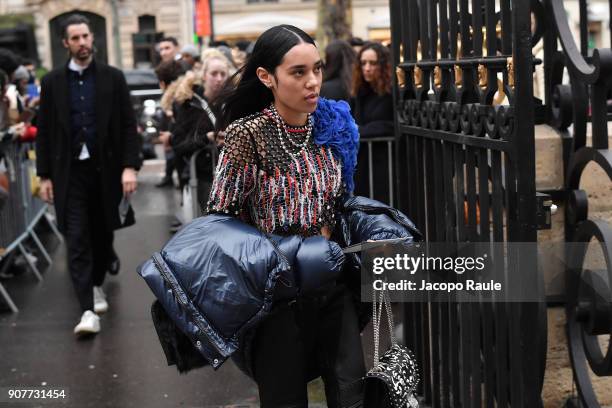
218,277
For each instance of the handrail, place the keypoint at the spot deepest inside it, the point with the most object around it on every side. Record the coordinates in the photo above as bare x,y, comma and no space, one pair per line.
601,61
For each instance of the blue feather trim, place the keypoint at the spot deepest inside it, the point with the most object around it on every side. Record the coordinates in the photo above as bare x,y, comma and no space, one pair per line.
335,127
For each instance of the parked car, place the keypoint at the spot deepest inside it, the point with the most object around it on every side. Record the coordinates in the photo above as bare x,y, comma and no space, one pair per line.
145,93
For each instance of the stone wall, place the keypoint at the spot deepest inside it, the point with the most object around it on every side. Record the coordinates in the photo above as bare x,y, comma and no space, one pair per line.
172,17
47,10
549,175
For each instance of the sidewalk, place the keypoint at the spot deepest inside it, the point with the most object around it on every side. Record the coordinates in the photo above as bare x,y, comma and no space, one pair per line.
124,365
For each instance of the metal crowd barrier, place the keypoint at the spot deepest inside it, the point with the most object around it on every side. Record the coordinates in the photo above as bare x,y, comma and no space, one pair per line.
23,210
193,178
195,183
383,165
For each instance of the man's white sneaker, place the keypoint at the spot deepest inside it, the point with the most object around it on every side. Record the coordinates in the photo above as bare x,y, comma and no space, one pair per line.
90,323
100,303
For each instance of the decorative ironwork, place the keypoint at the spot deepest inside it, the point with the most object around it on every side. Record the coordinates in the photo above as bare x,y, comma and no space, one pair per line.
466,172
583,100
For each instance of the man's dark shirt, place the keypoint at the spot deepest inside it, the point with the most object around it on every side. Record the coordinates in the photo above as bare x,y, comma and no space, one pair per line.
82,94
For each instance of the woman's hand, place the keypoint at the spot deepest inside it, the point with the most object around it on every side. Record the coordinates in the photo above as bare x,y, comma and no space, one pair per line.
129,180
164,138
220,138
18,130
46,190
217,137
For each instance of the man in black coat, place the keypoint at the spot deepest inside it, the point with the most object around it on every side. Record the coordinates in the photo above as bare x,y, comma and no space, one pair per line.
87,156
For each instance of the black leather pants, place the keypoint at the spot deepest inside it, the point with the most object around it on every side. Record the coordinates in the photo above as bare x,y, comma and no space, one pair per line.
314,336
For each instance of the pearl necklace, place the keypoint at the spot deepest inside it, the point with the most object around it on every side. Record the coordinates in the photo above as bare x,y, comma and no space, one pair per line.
282,126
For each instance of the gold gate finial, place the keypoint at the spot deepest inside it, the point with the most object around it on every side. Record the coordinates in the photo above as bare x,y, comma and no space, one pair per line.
458,70
418,72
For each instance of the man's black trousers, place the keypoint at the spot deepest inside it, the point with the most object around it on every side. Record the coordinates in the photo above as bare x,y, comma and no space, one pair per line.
88,239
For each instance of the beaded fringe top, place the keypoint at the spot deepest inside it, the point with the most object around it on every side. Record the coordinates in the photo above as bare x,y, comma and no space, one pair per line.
282,188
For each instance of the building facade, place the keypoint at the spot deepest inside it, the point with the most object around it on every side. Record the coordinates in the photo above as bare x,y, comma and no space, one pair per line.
237,19
126,30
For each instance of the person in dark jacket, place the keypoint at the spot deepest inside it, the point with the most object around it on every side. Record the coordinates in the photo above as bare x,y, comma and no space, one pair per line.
372,107
195,119
168,72
87,158
338,73
287,161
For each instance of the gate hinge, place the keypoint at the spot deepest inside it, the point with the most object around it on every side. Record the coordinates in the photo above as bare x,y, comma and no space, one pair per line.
545,208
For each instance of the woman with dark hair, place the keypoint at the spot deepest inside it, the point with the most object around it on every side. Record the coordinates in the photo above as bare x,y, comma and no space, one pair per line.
288,159
372,107
373,103
338,74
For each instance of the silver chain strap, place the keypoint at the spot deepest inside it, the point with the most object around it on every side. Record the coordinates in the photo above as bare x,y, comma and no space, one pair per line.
377,309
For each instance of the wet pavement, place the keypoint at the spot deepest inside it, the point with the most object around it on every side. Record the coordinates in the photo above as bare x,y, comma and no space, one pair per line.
124,365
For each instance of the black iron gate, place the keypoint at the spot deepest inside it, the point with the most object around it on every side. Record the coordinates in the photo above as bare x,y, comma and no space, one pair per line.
466,171
587,98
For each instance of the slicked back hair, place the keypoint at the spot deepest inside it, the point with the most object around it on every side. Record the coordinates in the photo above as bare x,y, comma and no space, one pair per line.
74,19
250,95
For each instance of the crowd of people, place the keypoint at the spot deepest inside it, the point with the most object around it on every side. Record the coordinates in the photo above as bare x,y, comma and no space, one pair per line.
191,84
19,103
355,71
19,98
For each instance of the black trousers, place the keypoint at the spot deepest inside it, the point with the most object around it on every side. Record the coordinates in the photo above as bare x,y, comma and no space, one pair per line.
170,163
311,337
88,240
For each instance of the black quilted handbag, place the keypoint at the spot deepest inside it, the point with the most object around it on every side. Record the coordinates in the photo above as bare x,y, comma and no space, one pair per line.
392,382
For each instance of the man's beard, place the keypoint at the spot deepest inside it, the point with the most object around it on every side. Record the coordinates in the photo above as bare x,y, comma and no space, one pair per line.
81,55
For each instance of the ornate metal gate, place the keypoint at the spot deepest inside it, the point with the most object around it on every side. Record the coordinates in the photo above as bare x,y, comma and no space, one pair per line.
586,99
466,172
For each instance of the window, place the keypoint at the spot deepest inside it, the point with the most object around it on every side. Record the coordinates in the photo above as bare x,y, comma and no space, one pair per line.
146,24
143,42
